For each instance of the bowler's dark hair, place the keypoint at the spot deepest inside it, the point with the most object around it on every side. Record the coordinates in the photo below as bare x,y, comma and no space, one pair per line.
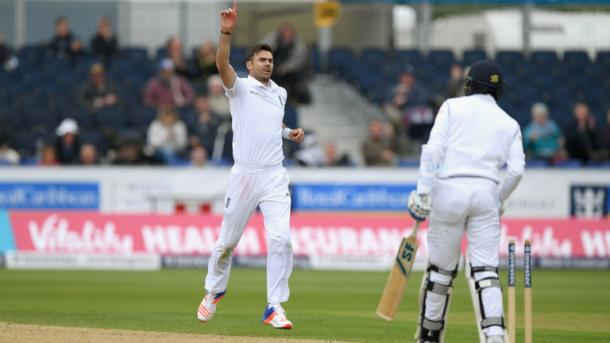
256,49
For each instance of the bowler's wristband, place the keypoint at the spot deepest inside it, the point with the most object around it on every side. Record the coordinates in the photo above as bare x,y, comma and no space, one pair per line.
286,132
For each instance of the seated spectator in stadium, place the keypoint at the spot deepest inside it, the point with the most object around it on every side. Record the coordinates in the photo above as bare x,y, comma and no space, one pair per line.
64,44
67,145
584,141
455,85
206,126
219,103
204,62
104,43
408,109
199,156
311,153
176,55
167,136
542,138
378,149
168,89
48,156
88,155
99,92
130,151
289,61
8,155
332,159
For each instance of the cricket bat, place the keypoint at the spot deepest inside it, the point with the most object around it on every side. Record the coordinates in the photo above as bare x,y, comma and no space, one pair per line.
400,273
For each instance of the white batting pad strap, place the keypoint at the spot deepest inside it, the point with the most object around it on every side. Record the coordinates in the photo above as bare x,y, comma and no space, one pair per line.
485,283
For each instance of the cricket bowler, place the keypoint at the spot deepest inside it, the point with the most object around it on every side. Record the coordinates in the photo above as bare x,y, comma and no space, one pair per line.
257,178
461,189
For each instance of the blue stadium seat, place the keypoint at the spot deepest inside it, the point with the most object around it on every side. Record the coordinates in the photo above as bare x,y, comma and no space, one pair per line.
134,54
408,163
576,58
536,164
509,59
24,142
94,137
471,56
441,58
111,118
374,57
546,60
412,57
238,56
142,116
603,57
568,164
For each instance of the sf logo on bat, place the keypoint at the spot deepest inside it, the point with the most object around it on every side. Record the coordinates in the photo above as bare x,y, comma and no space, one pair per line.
405,257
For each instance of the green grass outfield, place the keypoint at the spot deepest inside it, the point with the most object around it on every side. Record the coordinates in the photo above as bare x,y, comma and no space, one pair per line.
569,306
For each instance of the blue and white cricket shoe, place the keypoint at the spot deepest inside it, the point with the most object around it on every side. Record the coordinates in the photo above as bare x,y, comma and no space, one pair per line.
276,317
207,308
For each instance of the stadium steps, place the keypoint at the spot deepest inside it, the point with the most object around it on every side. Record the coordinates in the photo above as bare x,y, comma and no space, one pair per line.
338,113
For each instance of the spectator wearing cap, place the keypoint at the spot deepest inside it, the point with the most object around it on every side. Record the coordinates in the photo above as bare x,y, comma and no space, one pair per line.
167,88
99,92
67,145
542,138
64,44
104,43
167,136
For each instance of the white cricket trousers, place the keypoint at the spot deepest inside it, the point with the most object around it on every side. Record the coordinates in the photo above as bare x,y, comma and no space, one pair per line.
249,188
471,205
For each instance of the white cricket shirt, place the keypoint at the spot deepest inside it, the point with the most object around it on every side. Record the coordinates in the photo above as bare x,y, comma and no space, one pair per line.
473,137
258,113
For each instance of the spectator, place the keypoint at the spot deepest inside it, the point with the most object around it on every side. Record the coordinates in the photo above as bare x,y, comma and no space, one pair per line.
104,43
176,55
8,155
130,151
204,62
408,109
290,62
98,92
64,44
206,126
168,89
331,159
542,137
219,103
378,149
455,85
199,156
67,145
167,136
584,141
48,156
88,155
311,153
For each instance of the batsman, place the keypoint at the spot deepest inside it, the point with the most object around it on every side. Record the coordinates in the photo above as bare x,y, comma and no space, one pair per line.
461,189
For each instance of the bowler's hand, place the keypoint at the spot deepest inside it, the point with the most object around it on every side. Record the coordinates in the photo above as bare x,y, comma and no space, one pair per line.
228,18
297,135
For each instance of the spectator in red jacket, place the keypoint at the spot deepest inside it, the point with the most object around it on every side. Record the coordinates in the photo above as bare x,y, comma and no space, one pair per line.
168,89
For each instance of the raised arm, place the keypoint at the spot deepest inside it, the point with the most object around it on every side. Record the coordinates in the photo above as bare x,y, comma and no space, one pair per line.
228,21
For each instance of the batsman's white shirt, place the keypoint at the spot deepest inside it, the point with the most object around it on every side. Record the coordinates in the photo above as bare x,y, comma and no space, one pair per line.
257,179
472,138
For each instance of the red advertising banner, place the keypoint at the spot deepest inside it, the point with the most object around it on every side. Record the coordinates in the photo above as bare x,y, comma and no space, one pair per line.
314,235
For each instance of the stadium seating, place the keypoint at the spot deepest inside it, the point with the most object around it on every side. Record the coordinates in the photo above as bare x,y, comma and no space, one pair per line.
35,97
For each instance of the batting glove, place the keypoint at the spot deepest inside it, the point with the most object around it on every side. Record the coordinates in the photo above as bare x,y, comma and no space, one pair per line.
419,206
